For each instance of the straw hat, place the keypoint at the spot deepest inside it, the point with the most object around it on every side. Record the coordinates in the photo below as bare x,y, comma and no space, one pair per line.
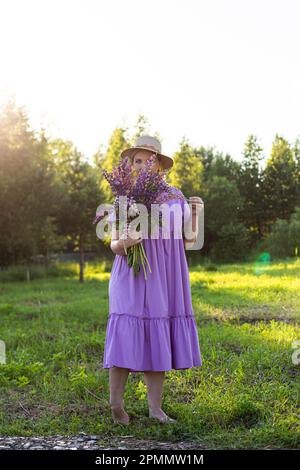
147,142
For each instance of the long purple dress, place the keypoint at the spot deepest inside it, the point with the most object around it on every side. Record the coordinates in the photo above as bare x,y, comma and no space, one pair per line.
151,324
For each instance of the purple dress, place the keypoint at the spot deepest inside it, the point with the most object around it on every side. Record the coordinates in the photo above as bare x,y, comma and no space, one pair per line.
151,324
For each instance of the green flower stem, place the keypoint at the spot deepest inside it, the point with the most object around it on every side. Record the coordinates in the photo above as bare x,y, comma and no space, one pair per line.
145,256
136,257
143,261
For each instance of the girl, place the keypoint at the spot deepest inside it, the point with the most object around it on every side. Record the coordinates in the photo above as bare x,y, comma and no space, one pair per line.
151,326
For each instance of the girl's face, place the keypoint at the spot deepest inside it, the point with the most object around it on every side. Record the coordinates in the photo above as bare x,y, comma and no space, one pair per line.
140,158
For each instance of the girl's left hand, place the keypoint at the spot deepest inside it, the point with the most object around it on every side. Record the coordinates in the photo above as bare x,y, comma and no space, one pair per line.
197,204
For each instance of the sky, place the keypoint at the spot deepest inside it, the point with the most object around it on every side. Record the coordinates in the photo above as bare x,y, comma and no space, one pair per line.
212,71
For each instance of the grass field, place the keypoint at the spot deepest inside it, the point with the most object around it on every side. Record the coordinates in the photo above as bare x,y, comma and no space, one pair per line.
246,394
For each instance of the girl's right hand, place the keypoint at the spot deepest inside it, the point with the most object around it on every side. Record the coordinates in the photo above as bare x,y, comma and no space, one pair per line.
128,241
119,245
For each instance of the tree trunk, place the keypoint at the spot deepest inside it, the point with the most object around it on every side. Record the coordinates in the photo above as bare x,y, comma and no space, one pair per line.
81,259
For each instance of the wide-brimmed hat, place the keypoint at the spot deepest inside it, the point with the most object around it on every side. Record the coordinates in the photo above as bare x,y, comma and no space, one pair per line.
147,142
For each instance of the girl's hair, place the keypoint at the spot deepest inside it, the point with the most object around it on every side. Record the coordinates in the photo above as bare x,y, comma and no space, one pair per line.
160,167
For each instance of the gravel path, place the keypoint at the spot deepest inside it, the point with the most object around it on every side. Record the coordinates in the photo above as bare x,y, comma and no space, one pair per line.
90,442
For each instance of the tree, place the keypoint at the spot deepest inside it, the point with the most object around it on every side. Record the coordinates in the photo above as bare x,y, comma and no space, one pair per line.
187,171
221,165
81,198
232,243
117,143
223,205
27,190
250,187
294,233
296,151
279,182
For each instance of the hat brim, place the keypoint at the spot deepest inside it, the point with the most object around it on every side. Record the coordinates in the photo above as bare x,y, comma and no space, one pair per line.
167,162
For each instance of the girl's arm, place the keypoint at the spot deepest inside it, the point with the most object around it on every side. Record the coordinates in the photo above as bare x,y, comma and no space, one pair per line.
117,245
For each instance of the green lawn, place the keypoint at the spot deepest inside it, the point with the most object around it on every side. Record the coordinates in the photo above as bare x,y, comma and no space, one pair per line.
246,394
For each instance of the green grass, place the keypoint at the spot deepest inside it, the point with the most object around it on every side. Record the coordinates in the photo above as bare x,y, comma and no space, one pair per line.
246,394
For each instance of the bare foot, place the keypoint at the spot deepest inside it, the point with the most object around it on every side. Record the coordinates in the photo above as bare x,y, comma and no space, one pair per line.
119,415
161,416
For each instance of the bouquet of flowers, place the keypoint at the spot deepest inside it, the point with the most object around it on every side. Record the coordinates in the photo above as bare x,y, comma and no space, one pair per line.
143,187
